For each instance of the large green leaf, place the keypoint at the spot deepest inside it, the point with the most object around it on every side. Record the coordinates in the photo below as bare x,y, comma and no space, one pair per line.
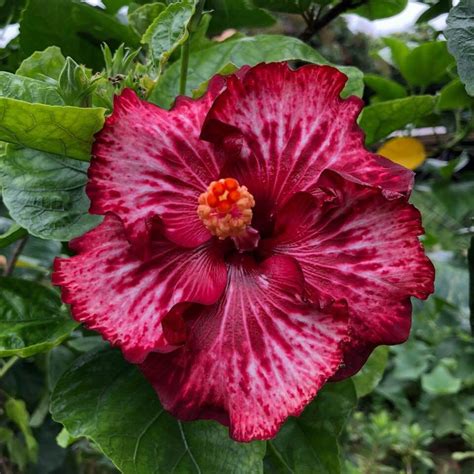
427,64
65,131
376,9
45,194
14,233
237,14
309,443
370,375
43,65
381,119
169,30
108,401
77,28
241,51
32,318
29,90
399,51
460,34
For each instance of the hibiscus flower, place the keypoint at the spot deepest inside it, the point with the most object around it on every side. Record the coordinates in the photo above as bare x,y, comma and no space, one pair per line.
252,248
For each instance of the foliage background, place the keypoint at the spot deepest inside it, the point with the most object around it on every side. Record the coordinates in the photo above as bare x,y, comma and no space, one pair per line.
71,405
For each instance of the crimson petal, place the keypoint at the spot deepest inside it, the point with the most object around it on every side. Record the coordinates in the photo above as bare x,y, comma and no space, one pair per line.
114,292
284,127
149,161
355,244
257,356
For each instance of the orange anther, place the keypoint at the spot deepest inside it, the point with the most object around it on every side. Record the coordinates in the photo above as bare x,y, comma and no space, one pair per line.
234,196
231,184
212,200
218,189
224,206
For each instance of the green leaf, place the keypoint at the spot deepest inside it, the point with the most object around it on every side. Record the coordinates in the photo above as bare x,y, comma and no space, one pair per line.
32,318
17,412
77,28
398,50
108,401
427,64
67,131
45,194
385,88
43,65
376,9
442,6
14,233
440,381
411,360
169,30
369,377
381,119
224,71
241,51
460,34
284,6
29,90
142,17
453,96
309,443
237,14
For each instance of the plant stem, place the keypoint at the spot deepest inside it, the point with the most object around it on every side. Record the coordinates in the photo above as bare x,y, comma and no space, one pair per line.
7,366
184,67
20,245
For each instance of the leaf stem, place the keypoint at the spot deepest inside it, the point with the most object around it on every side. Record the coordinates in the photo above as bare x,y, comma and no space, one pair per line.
8,365
184,67
20,245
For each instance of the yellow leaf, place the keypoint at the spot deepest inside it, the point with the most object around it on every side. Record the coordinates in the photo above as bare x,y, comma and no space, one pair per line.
406,151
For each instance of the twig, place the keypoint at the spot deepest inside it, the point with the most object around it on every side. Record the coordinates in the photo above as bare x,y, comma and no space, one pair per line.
20,245
319,21
7,366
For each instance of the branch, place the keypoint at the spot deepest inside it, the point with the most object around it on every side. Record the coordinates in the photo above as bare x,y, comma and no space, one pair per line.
16,254
320,21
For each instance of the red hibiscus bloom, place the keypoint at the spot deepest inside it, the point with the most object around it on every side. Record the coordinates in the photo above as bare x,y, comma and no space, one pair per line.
251,249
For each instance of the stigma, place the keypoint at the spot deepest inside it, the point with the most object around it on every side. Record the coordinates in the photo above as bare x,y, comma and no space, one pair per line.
225,208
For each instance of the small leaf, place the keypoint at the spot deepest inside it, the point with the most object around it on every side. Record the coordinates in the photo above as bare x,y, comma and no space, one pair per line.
43,65
143,16
45,193
377,9
399,50
427,64
369,377
66,131
169,30
381,119
17,412
32,318
460,34
440,381
386,89
108,401
14,233
454,96
406,151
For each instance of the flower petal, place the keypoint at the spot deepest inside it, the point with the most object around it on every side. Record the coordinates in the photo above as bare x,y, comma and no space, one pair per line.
256,357
284,127
149,161
355,244
114,292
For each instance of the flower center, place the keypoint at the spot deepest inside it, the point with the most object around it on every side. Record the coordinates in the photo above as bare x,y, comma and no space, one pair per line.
226,208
